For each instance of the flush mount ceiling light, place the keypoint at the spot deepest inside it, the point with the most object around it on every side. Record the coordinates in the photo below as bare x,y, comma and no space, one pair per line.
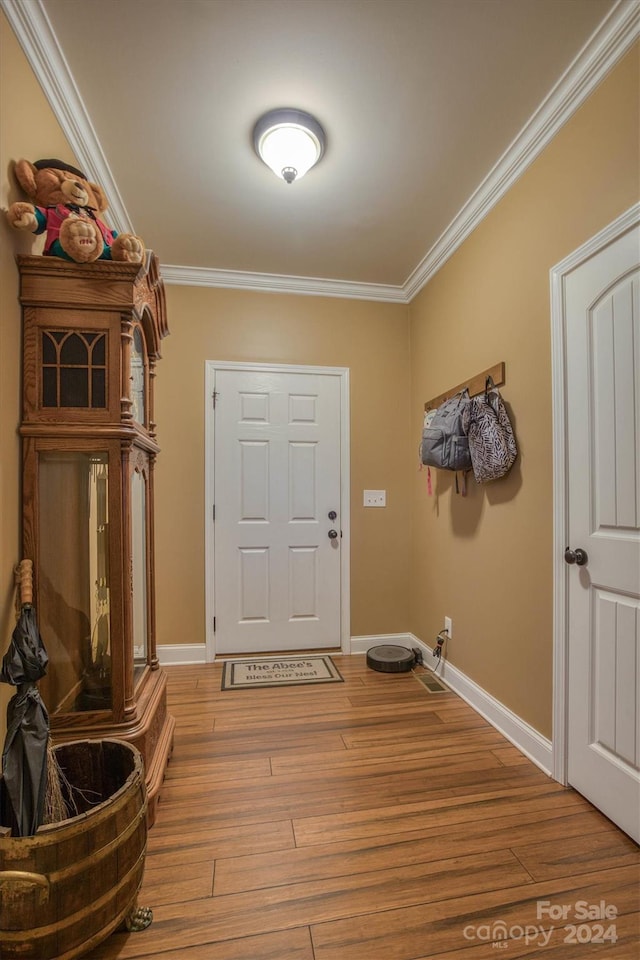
289,141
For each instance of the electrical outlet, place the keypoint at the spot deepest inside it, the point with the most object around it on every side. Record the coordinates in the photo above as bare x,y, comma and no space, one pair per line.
448,627
375,498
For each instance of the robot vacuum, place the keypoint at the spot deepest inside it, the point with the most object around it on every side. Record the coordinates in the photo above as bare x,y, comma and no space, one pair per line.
390,659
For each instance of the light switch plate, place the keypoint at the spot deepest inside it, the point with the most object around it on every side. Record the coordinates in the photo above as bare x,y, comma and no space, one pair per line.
375,498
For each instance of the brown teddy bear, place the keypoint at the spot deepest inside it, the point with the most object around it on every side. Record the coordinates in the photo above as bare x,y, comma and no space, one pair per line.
65,205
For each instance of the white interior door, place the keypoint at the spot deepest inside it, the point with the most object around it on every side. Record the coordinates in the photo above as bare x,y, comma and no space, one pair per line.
602,298
277,477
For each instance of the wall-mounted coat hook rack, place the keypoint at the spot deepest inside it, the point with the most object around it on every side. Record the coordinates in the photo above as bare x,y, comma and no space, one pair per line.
475,385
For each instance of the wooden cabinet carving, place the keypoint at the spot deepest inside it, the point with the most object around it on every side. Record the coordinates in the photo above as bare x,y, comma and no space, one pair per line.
91,340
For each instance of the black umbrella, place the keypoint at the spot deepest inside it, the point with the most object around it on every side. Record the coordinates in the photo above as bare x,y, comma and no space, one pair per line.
24,758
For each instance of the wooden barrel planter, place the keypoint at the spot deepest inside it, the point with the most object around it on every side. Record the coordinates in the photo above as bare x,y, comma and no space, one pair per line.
65,889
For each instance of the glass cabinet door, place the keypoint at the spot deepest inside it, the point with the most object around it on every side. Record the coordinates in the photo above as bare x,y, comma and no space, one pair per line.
139,568
74,589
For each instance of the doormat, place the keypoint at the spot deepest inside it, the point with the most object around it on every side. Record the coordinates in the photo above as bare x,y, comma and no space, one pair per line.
279,672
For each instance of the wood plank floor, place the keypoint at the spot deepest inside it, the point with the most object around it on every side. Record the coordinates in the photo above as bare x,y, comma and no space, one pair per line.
368,820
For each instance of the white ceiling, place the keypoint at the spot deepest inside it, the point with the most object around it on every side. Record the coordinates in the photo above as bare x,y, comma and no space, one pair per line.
420,99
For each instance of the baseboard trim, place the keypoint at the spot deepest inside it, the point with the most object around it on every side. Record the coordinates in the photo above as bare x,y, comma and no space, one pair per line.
362,644
179,654
523,736
175,654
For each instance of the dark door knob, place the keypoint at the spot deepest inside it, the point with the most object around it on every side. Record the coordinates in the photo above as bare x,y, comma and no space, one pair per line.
333,534
332,514
578,556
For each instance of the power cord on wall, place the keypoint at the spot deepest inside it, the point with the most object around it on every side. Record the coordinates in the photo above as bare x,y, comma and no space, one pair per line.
437,650
418,659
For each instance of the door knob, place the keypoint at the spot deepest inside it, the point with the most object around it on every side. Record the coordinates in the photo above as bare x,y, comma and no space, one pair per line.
578,556
332,514
332,534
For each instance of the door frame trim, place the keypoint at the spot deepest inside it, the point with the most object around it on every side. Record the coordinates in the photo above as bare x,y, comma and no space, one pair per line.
209,474
558,274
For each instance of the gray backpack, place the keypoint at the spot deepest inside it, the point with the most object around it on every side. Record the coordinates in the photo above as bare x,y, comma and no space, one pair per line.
444,440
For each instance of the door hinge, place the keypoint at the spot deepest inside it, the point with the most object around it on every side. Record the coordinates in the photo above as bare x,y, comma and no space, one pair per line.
214,624
214,513
214,397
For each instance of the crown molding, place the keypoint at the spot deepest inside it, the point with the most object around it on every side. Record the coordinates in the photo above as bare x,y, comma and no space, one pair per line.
280,283
32,27
606,46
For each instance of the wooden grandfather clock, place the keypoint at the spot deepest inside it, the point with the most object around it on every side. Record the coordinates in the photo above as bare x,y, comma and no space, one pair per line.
91,340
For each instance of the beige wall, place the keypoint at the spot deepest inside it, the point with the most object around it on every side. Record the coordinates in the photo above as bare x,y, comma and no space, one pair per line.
29,129
486,561
369,338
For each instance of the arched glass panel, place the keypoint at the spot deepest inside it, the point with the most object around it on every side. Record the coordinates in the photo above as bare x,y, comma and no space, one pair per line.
74,351
74,369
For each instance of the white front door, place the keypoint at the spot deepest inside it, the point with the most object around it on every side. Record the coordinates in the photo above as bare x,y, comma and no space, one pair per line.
602,316
277,479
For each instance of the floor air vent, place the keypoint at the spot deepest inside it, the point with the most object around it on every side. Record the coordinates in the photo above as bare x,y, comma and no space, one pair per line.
432,683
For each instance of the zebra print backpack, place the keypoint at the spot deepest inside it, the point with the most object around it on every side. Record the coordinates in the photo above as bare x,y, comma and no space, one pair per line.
492,444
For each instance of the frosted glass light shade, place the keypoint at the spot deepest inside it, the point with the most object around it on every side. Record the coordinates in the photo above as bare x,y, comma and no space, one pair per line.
290,142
